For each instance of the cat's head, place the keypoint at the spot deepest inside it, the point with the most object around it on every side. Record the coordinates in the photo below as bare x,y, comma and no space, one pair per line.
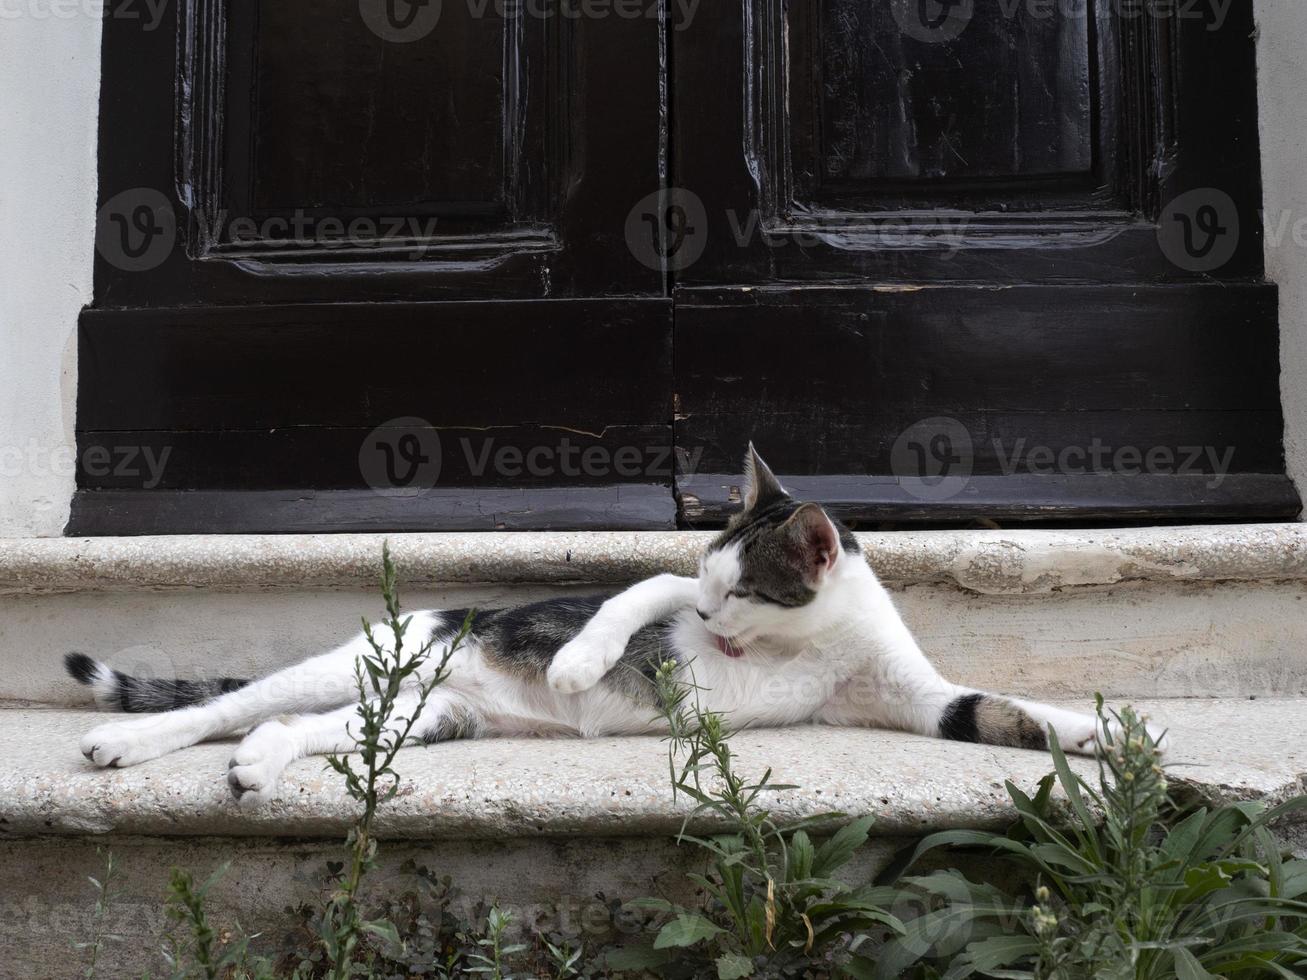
764,576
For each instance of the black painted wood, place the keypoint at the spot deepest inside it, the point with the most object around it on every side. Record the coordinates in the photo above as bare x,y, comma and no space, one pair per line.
1009,97
457,405
528,140
577,363
839,168
1012,387
628,507
708,500
345,457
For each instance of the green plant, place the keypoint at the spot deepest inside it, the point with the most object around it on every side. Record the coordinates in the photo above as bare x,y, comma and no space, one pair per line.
564,961
493,961
1128,886
206,955
380,678
103,902
775,907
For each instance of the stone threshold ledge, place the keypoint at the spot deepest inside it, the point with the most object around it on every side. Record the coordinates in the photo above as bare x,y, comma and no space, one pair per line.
1233,749
1002,562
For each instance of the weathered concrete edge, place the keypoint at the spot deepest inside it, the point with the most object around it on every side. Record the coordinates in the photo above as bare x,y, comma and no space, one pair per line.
617,787
1010,562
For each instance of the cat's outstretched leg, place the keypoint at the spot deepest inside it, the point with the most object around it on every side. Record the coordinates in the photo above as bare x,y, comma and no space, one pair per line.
932,706
580,663
899,688
259,760
317,684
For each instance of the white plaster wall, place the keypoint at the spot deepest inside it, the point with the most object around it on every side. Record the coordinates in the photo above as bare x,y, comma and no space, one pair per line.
49,95
1282,97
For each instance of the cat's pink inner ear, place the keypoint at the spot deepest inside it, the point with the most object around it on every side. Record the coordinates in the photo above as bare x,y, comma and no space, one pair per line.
818,540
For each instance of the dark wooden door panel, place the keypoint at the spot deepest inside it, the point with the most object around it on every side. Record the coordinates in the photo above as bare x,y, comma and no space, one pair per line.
435,415
342,118
364,265
1036,145
960,261
287,153
1011,97
950,403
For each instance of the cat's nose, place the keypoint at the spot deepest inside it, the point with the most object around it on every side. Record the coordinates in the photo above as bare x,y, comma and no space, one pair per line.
703,615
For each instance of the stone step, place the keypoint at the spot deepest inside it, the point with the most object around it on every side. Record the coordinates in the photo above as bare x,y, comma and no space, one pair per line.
1223,749
556,831
1149,612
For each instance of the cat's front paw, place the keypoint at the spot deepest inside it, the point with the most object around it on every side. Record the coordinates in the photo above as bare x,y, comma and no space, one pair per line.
120,744
257,764
582,663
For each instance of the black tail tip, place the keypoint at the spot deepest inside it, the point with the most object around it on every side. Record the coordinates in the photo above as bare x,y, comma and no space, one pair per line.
82,667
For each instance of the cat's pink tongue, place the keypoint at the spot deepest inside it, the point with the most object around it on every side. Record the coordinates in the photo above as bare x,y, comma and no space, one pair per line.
727,646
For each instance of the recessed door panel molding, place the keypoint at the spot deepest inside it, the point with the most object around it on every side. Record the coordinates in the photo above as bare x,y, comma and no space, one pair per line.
968,141
376,151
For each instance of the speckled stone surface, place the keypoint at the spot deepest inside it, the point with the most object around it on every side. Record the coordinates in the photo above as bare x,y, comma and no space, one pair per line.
986,562
1233,749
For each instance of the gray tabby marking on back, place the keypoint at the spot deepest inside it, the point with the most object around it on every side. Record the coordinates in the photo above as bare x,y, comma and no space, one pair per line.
523,640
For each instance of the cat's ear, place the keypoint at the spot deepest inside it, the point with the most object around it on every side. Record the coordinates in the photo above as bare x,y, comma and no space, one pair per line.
760,485
814,540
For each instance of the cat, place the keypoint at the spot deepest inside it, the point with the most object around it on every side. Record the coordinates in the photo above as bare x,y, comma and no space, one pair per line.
786,623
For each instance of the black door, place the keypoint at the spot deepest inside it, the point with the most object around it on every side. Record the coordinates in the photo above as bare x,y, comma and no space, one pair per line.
372,264
363,264
997,260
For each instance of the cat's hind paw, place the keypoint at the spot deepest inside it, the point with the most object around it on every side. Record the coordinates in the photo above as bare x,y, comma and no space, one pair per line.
582,663
1094,740
257,764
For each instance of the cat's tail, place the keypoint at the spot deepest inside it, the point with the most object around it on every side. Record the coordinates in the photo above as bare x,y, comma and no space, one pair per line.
116,691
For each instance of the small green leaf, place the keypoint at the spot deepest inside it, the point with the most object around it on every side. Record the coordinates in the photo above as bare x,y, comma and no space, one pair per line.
996,951
1187,966
838,851
685,930
732,966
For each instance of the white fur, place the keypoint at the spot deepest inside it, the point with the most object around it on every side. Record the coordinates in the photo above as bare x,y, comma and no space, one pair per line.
846,658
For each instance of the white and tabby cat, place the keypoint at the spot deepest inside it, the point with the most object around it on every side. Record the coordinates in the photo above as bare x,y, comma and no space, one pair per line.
785,624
